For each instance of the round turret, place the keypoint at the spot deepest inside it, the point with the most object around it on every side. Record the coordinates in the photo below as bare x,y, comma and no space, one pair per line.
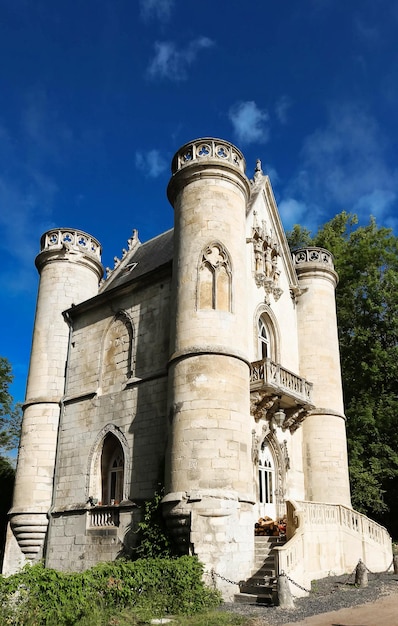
209,455
325,462
70,268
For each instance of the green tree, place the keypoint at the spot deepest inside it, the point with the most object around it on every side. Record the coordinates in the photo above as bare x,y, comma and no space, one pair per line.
10,426
10,413
366,259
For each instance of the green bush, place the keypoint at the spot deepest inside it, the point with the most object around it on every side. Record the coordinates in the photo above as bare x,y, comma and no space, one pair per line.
150,587
152,537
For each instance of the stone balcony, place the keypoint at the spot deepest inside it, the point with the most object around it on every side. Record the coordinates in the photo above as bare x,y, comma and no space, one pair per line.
276,391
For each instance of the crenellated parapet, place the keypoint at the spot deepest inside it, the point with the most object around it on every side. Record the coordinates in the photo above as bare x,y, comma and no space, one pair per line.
67,244
71,240
313,255
315,260
206,149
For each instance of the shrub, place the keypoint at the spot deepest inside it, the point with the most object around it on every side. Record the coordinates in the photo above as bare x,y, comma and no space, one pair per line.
152,537
150,587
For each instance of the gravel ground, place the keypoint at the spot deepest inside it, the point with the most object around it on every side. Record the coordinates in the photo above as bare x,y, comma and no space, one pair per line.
328,594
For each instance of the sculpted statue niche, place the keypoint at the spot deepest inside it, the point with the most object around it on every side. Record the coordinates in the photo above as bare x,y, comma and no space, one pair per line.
266,253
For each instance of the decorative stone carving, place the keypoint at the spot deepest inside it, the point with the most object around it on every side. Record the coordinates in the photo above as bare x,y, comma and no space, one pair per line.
266,253
285,454
294,417
255,446
260,404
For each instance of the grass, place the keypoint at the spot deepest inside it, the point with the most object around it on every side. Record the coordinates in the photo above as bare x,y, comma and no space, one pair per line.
127,617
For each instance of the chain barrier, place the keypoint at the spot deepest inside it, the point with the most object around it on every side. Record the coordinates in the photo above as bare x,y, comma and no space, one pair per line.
294,583
214,574
378,574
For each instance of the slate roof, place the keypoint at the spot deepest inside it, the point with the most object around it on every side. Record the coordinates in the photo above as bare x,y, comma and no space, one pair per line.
146,258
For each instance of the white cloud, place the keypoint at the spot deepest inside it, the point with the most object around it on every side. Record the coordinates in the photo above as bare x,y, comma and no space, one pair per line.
344,165
367,32
27,188
249,122
173,64
281,108
378,203
156,9
151,163
293,212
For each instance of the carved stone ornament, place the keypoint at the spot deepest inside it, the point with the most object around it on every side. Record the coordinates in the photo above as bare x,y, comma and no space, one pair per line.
294,418
260,404
262,407
266,254
255,446
285,454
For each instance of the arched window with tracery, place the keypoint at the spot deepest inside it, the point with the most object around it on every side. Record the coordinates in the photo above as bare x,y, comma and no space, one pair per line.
215,279
112,470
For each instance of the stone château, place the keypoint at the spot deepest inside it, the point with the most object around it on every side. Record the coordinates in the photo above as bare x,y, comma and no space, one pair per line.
207,360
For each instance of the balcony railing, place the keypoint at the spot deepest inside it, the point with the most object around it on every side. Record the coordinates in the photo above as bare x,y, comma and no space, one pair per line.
277,379
104,517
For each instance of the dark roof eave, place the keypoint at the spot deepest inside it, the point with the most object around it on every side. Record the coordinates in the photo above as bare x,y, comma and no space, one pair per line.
119,290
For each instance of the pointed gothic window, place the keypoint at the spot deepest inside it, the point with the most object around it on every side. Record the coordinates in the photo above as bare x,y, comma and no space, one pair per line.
117,361
112,470
263,340
214,288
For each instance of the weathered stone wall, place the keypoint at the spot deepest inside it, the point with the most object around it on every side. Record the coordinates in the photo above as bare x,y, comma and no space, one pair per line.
132,406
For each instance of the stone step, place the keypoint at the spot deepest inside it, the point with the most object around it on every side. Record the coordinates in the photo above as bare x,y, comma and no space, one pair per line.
261,587
269,559
266,594
263,572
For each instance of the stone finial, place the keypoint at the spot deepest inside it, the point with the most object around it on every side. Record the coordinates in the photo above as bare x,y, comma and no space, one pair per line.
133,239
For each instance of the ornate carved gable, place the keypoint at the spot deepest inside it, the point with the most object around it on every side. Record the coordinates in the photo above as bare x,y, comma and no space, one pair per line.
271,253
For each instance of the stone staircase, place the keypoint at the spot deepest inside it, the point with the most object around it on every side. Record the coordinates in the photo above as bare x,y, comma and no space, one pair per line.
261,586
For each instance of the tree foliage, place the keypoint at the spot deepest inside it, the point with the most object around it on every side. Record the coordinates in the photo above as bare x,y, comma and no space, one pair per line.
10,425
366,259
10,413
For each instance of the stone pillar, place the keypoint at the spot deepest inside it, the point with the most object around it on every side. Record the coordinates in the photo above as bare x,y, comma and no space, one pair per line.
69,264
209,471
324,434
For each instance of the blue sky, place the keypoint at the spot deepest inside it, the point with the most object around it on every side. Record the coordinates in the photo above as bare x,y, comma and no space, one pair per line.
96,96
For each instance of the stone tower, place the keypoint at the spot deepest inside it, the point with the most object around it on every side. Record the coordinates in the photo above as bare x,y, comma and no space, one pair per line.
324,434
69,264
209,497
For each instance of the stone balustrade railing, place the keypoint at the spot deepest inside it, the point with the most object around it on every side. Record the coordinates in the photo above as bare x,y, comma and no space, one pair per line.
70,239
313,255
208,148
104,516
267,372
339,531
